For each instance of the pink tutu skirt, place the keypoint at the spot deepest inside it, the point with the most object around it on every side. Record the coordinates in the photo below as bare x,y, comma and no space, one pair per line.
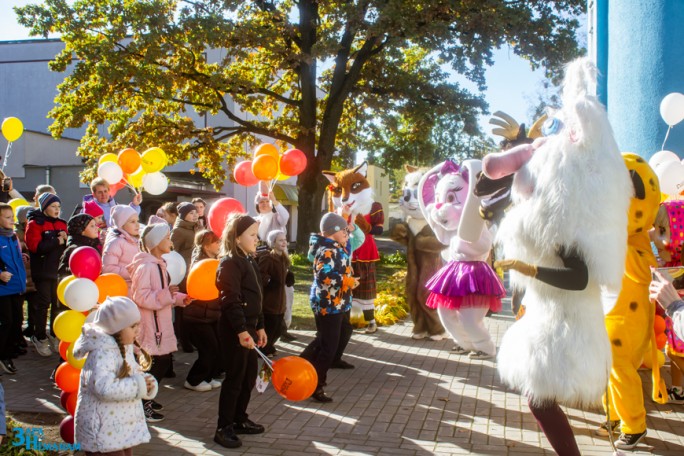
462,284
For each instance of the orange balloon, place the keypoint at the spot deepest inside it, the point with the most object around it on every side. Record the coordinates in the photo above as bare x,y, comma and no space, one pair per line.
265,167
294,378
129,160
661,340
63,346
267,149
201,282
67,377
71,403
110,284
659,325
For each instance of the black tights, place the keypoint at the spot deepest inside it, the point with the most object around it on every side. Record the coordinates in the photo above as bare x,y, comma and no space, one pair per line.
554,424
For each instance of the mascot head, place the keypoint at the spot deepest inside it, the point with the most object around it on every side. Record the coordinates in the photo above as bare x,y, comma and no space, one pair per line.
408,202
646,200
350,189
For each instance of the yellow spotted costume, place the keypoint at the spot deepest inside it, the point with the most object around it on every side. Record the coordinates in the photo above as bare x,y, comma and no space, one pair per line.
630,322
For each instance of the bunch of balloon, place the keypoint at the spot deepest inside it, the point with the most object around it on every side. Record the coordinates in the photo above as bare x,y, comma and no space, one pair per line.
135,170
12,129
666,164
269,165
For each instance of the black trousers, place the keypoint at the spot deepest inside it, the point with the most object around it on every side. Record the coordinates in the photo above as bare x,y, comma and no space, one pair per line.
10,313
322,350
30,298
160,364
346,332
204,336
241,372
46,300
273,324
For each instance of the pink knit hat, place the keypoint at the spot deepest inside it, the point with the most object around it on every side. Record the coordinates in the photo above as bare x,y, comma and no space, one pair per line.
92,209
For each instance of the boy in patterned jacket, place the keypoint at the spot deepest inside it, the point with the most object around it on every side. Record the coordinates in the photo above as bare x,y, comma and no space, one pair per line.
331,295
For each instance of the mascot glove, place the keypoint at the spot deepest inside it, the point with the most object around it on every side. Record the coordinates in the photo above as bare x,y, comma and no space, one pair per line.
517,265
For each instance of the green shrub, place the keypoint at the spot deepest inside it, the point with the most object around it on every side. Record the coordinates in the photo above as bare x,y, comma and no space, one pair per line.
397,258
299,259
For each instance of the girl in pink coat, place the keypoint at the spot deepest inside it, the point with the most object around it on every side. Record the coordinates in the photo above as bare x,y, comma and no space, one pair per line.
121,243
155,297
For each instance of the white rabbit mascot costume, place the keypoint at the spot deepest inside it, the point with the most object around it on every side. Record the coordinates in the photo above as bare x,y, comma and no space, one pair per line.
466,288
565,238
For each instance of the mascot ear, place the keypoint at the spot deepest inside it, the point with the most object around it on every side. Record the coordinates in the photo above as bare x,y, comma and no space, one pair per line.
362,169
471,224
410,168
330,175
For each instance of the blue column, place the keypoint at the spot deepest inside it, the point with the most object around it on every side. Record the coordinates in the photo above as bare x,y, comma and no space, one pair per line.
645,62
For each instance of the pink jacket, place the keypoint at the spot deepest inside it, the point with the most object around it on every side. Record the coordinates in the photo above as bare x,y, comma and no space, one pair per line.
151,294
119,250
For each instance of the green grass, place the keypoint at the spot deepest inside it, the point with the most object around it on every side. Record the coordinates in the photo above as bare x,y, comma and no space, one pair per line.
302,316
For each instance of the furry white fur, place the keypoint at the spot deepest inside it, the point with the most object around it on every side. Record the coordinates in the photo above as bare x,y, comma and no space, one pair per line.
573,193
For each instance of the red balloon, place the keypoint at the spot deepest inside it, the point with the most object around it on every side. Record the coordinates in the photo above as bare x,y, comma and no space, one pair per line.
293,162
63,349
659,325
71,403
63,398
113,188
66,429
661,340
67,377
243,174
219,212
85,263
294,378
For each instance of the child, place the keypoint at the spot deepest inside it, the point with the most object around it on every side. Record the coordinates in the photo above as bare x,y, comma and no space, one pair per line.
151,291
12,285
331,295
83,232
201,206
275,275
121,245
46,236
201,324
240,325
94,210
109,415
183,239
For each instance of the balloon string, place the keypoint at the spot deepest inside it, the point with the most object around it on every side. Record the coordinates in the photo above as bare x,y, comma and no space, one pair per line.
666,136
8,152
268,362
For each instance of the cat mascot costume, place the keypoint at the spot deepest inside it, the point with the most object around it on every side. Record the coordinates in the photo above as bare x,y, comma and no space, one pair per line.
422,257
565,240
466,288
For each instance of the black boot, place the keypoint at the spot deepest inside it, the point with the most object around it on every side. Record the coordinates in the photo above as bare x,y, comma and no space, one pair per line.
320,396
226,437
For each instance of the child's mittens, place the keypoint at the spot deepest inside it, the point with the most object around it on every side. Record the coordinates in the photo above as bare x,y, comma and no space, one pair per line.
151,386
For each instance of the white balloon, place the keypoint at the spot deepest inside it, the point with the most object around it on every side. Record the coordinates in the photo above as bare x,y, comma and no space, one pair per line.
155,183
671,177
660,157
111,172
81,295
175,265
672,108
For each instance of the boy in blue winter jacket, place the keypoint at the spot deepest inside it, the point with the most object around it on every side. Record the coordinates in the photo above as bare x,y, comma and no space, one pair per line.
12,285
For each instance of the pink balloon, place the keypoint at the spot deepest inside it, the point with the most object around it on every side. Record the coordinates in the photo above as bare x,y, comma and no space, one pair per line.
219,212
85,262
243,174
66,429
293,162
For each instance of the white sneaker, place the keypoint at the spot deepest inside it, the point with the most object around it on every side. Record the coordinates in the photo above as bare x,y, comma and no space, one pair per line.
42,346
214,383
437,337
372,327
54,343
202,387
419,336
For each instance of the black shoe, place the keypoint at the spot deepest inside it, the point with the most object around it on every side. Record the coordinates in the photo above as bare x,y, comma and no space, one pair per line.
156,406
8,366
188,348
287,337
248,427
629,441
151,416
341,364
226,437
320,396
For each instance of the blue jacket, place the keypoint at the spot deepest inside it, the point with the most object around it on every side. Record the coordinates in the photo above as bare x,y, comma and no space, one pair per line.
11,261
331,291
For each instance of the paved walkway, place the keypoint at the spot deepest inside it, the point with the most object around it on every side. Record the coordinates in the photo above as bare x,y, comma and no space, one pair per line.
405,397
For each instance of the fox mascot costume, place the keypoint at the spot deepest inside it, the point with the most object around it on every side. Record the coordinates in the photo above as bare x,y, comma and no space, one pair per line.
423,257
351,195
565,239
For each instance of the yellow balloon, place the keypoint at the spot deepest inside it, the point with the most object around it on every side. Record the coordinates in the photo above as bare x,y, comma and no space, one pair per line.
136,179
16,202
107,158
153,160
12,128
68,325
61,288
282,177
75,363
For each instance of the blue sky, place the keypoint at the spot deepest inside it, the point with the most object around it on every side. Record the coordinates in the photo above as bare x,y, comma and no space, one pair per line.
512,85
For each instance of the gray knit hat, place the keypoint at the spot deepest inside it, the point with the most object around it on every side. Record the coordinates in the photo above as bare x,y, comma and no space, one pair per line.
331,223
116,313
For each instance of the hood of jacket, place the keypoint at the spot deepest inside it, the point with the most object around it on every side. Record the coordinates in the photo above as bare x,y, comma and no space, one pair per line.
316,241
184,224
39,217
141,258
115,232
93,338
